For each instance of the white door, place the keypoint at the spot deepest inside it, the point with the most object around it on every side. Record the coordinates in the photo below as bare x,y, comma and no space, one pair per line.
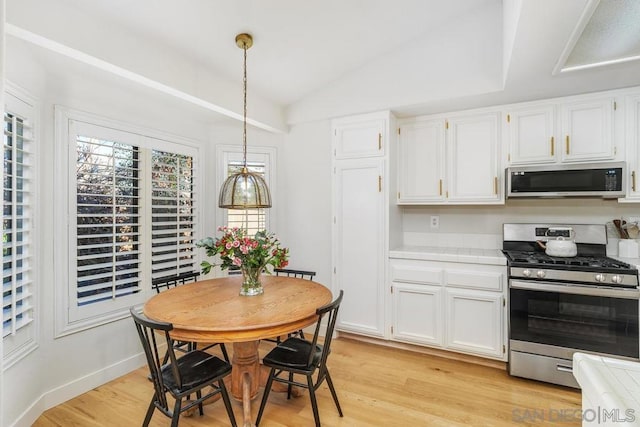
417,314
474,322
587,130
421,162
359,137
532,135
633,146
359,244
472,167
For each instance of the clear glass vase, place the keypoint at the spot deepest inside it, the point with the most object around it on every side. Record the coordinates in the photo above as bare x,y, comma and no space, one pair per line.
251,284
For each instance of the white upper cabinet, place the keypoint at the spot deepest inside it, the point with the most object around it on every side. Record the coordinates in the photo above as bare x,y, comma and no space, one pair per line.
360,137
421,165
450,160
532,135
576,129
632,105
587,130
473,159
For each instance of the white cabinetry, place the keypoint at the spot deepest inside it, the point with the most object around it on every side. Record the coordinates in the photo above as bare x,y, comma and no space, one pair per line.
454,160
587,129
632,105
531,133
576,129
421,163
475,322
361,220
448,305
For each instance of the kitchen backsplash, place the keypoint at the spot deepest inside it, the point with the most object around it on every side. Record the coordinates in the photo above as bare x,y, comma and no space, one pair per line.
481,226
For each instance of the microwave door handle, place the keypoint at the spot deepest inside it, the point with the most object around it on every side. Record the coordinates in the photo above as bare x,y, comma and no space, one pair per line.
595,291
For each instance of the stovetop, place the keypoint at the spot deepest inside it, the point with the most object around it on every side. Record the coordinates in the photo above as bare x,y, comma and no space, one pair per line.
585,263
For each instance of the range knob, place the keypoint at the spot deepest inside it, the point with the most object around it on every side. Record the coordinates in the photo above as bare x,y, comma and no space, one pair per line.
541,274
616,278
526,273
601,277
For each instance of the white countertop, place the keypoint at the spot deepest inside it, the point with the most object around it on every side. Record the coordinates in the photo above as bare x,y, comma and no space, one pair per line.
434,253
610,388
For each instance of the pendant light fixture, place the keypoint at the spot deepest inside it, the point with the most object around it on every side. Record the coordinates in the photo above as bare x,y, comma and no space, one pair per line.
244,190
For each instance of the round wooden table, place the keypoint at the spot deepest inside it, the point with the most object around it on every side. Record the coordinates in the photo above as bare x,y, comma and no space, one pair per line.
213,311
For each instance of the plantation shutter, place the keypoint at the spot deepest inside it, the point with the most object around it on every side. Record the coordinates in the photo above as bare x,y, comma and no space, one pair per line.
253,220
17,298
108,220
172,214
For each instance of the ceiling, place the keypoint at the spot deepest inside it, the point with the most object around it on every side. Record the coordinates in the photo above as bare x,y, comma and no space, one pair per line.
317,59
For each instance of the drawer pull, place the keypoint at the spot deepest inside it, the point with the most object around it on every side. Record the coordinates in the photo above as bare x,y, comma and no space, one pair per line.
563,368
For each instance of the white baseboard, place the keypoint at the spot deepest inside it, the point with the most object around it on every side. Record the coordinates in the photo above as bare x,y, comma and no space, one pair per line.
76,387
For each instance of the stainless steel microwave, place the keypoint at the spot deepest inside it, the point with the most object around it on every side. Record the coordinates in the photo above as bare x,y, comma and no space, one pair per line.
606,180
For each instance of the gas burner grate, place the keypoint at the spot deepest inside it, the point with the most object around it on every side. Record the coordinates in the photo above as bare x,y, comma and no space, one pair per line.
537,258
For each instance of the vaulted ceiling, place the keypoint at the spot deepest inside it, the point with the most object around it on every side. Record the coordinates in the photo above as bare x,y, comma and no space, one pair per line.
317,59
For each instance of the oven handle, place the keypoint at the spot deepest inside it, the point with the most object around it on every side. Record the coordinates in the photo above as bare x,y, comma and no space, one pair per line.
633,293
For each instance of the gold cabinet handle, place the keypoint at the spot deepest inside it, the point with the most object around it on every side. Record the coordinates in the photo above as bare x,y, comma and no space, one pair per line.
553,144
633,180
379,141
380,183
495,185
440,185
567,143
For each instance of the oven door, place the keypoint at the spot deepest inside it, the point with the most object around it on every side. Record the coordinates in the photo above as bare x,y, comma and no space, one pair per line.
585,318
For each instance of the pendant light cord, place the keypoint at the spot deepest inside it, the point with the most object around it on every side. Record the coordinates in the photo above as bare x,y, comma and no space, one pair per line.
244,131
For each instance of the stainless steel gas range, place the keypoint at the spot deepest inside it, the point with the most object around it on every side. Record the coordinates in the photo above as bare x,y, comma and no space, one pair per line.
560,305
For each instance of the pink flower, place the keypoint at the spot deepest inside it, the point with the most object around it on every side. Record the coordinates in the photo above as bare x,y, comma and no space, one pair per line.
229,245
244,249
236,243
237,261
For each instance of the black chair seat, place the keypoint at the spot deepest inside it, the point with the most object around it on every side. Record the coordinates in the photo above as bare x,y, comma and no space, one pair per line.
293,354
195,368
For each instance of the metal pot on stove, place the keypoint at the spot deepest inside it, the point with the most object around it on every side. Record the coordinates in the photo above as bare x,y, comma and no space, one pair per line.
560,242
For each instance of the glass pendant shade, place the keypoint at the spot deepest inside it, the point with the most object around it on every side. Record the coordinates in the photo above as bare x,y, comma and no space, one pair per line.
244,190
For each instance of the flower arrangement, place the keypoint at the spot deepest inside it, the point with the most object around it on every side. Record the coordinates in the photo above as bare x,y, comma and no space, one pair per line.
237,249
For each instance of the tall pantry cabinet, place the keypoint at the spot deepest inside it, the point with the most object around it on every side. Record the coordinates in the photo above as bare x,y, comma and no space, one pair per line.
363,149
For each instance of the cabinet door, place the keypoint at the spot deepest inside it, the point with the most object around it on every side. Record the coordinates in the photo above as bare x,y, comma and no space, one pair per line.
421,162
633,146
472,167
359,137
359,244
532,135
474,322
587,130
417,314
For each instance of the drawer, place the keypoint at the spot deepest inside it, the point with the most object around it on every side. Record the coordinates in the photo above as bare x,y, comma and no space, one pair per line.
472,279
416,273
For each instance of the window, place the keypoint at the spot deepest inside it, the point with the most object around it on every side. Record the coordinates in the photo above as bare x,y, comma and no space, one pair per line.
108,220
259,160
131,212
18,287
252,220
172,215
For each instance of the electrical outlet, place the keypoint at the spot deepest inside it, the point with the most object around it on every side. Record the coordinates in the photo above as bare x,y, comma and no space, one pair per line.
435,221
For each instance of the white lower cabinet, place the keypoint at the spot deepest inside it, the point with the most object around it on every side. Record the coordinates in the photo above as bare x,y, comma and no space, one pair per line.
417,314
474,322
449,305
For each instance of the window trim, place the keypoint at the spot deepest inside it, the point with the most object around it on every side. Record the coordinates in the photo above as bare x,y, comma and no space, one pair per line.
64,323
31,343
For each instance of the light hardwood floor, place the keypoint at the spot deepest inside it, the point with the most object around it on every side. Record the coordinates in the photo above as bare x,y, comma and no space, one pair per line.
376,385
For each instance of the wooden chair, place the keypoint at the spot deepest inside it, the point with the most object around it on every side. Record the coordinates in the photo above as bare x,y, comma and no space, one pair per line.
300,274
167,282
181,377
296,356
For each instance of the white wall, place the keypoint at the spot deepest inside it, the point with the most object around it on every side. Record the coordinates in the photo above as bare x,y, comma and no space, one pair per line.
64,367
488,220
304,183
